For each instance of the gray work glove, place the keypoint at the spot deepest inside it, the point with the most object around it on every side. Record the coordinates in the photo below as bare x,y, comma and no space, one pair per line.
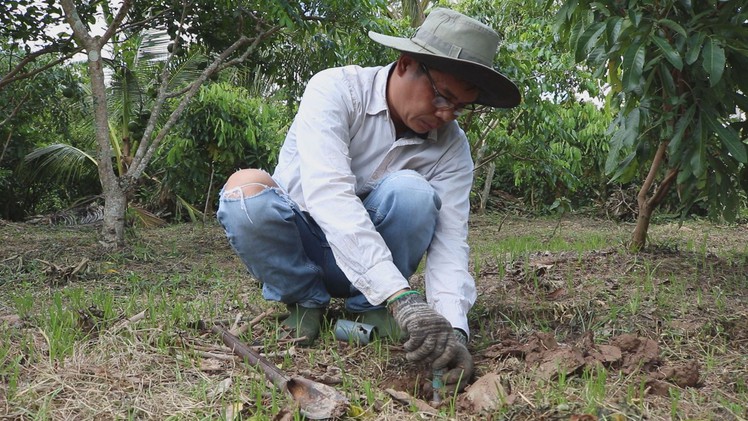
430,336
459,371
461,367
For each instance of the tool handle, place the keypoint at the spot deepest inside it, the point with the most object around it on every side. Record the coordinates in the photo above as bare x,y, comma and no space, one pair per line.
437,384
273,373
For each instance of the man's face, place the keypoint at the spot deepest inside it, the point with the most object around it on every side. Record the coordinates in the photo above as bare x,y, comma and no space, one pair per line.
424,99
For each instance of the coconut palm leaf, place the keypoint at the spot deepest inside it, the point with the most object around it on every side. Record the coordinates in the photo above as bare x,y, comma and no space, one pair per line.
184,70
142,216
153,46
194,213
60,161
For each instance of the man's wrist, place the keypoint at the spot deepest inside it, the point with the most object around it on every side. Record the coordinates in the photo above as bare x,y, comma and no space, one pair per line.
461,336
400,294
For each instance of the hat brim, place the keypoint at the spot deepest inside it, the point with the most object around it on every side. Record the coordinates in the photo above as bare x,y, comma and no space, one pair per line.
496,90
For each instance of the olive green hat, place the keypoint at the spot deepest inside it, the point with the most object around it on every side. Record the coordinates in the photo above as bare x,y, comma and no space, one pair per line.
462,46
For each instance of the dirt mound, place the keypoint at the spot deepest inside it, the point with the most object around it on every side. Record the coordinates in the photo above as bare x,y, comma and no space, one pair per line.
628,353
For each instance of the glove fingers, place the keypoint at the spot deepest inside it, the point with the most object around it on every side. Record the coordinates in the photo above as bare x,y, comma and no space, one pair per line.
426,352
415,348
444,357
458,377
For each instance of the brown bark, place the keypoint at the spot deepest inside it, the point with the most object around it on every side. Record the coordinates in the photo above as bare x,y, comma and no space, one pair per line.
115,193
487,187
647,205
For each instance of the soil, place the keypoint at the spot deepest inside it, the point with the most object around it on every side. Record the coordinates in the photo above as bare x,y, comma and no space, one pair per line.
591,333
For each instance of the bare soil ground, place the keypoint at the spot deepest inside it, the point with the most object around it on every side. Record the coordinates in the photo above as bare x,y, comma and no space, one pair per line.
567,325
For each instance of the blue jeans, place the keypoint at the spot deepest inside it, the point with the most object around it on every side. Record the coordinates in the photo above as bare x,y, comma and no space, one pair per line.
288,253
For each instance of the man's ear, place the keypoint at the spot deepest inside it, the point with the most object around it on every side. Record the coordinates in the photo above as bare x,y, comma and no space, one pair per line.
404,63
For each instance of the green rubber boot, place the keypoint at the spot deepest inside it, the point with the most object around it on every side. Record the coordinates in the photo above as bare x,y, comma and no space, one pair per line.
304,322
381,318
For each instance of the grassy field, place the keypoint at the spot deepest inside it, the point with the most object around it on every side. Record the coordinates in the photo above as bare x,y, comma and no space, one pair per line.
568,325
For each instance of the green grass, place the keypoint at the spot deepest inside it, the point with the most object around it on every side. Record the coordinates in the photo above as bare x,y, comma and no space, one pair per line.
72,356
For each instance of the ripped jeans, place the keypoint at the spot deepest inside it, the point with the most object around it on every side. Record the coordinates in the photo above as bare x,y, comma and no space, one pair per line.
287,252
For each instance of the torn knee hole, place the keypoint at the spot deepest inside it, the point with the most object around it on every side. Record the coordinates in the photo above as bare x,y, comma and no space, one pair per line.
245,191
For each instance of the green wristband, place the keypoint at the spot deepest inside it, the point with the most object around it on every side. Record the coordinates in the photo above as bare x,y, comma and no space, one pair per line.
401,295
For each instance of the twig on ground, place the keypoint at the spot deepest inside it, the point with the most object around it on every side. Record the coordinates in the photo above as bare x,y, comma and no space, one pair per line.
235,325
240,330
524,398
124,323
222,357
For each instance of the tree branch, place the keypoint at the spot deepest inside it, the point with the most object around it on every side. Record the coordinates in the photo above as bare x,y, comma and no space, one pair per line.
147,149
15,74
132,26
116,22
7,141
664,187
80,31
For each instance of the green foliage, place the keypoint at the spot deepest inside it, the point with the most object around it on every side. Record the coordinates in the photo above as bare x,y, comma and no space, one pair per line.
675,70
222,130
34,113
336,35
548,150
29,21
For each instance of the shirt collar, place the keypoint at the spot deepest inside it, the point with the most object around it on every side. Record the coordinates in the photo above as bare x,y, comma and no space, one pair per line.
378,100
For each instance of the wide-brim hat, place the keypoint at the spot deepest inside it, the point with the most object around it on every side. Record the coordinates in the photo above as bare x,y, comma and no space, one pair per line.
462,46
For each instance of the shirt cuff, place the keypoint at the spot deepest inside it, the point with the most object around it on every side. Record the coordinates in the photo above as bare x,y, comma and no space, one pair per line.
452,311
380,282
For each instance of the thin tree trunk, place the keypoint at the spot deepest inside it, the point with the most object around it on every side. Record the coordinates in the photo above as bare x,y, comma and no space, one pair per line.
487,187
115,199
648,205
115,207
114,191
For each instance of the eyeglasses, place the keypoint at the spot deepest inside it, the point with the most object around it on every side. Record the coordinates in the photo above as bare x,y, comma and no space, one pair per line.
441,102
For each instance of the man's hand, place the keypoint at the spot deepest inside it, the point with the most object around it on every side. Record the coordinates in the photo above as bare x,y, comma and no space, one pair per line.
430,336
460,368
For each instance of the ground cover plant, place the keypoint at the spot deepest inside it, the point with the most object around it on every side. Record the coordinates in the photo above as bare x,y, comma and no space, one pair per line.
568,325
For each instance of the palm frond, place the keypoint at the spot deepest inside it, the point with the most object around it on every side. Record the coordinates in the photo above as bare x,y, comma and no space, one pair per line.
61,161
144,217
257,83
185,70
153,46
193,212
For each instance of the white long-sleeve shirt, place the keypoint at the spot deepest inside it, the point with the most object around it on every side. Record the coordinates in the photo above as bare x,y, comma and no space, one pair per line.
341,143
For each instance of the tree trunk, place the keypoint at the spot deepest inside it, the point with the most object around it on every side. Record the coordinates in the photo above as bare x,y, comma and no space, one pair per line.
113,190
648,205
639,236
115,207
487,187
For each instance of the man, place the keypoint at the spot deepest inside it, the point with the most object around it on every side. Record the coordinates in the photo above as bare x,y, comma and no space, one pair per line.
375,173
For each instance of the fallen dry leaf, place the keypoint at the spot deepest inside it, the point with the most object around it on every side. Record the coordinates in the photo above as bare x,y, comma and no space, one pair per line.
220,388
486,394
566,360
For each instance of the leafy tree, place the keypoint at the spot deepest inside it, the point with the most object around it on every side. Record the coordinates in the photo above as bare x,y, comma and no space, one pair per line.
675,70
34,111
222,130
548,148
117,184
130,94
29,44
